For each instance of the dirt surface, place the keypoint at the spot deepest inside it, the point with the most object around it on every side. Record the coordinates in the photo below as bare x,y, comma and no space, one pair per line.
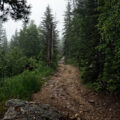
65,92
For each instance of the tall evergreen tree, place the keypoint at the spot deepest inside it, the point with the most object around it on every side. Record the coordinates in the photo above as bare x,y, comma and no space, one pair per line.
5,42
29,40
109,46
1,34
50,36
3,38
67,30
14,40
83,38
94,42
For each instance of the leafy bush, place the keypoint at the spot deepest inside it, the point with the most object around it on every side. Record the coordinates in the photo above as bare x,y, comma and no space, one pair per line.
12,63
16,62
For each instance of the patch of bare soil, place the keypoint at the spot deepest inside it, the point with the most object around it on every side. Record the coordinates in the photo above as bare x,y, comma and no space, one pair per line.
65,92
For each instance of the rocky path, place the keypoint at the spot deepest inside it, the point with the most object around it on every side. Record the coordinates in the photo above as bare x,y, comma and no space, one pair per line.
65,92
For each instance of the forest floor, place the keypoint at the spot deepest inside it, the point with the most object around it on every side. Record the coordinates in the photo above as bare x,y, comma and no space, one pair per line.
66,93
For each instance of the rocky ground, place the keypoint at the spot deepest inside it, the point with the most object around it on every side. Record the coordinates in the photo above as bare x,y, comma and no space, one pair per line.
65,92
23,110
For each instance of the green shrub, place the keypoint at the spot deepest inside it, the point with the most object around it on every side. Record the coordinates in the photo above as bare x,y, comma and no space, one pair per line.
24,85
16,62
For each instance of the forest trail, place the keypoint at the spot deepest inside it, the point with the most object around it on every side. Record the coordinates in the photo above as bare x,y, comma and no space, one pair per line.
65,92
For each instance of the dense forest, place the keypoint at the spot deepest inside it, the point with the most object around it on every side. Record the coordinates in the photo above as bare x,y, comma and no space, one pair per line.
28,58
92,41
78,73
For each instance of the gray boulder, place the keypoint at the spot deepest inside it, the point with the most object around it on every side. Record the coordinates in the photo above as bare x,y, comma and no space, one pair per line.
23,110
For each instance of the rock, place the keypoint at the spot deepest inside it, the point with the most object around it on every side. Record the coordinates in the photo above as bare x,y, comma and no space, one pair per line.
10,114
15,103
91,101
56,75
76,115
110,109
23,110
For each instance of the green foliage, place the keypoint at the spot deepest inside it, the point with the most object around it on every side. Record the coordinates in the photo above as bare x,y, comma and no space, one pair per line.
11,63
3,38
49,35
72,61
15,9
24,85
24,64
109,23
15,62
14,40
67,31
92,39
29,41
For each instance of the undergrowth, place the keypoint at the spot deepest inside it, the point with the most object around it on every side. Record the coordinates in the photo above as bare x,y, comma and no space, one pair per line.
83,73
22,86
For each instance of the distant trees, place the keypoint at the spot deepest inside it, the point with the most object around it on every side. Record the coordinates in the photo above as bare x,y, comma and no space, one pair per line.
67,30
14,40
3,50
93,42
3,38
29,41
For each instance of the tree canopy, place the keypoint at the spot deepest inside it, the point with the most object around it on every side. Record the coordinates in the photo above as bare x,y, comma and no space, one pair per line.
16,9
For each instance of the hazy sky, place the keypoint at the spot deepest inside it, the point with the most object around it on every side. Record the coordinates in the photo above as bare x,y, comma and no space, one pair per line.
38,8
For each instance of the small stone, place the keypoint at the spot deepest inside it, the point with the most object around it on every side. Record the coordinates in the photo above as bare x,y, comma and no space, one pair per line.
104,104
76,115
81,112
78,118
91,101
10,114
86,110
52,97
110,109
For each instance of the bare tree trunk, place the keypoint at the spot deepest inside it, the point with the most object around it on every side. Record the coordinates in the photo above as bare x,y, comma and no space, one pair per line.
48,48
50,44
52,40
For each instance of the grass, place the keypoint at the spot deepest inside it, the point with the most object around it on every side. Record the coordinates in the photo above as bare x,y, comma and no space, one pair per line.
22,86
72,62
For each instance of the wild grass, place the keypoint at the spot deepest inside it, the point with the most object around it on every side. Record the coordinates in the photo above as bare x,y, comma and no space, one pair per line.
22,86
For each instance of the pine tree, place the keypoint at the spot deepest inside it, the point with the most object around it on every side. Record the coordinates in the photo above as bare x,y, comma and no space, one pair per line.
29,41
109,44
94,42
50,36
67,30
1,34
5,42
83,38
3,51
14,40
3,38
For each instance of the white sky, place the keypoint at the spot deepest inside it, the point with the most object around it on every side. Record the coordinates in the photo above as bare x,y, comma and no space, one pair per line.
38,8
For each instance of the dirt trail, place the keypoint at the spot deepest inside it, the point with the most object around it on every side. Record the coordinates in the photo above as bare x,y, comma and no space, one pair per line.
65,92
